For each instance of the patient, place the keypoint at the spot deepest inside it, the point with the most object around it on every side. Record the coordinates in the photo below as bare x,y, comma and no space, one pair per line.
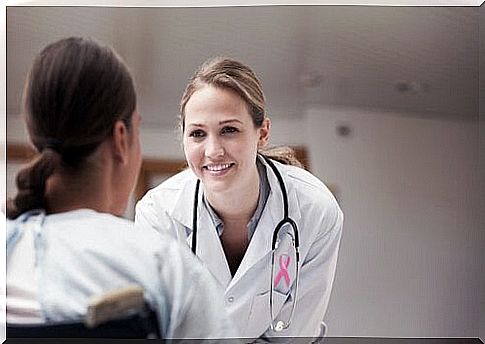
65,240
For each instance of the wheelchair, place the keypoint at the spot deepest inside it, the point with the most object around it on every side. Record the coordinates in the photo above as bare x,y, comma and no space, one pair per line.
122,313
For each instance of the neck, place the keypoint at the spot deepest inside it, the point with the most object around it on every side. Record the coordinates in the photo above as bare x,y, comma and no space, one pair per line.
237,206
66,194
90,188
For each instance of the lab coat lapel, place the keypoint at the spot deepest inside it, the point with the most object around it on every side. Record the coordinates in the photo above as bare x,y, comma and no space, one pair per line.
182,210
260,244
209,248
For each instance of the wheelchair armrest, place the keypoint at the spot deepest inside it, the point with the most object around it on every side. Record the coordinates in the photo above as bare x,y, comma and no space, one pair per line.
114,304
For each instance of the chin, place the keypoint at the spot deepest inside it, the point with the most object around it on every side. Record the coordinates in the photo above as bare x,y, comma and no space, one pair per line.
216,186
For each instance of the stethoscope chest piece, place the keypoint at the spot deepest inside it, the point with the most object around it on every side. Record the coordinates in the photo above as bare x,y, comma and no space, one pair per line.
280,326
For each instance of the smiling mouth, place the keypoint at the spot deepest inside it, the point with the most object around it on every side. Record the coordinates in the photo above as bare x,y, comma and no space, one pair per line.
218,168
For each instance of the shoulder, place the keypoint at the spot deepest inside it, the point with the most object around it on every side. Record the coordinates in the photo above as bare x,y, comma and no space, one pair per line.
164,208
308,187
177,181
165,194
106,220
315,200
91,228
72,221
172,185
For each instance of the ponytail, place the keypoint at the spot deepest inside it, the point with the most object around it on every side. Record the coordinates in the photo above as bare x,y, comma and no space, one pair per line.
75,91
31,183
282,154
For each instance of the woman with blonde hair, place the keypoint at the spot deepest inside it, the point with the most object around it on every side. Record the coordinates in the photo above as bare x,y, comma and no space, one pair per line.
267,230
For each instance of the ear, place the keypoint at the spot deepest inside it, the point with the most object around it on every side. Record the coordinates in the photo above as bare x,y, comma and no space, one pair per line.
264,133
120,140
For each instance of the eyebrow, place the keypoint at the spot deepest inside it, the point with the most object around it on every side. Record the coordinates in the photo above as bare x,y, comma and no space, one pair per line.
228,121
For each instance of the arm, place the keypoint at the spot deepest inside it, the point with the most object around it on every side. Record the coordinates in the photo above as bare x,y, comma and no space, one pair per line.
316,278
151,214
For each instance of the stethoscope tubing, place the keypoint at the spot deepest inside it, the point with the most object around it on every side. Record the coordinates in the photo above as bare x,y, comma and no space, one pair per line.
286,220
194,217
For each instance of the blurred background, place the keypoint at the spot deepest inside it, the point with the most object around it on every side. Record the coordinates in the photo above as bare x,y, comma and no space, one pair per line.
383,103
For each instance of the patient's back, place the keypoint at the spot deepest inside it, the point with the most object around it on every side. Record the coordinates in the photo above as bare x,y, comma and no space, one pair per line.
79,254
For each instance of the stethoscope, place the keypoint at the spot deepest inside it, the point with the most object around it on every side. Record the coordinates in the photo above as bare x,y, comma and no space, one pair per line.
280,324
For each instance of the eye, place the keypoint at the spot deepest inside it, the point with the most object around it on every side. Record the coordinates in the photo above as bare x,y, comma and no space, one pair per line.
197,133
229,130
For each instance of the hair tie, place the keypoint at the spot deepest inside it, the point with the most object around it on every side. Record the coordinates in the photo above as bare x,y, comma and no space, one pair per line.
53,144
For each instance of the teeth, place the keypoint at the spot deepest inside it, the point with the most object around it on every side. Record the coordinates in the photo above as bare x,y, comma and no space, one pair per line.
219,167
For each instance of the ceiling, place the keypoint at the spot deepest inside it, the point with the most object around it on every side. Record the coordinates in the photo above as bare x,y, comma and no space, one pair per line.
408,59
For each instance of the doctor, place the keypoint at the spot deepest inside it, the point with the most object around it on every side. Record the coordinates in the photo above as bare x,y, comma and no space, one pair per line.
231,201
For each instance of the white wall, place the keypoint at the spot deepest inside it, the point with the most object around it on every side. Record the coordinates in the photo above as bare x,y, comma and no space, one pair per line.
409,261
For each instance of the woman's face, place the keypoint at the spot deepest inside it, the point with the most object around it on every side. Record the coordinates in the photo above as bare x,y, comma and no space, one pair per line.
220,139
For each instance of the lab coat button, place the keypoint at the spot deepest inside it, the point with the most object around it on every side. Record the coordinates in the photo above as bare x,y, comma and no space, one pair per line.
230,299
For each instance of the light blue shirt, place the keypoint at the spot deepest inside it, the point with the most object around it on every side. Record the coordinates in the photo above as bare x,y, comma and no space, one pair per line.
83,253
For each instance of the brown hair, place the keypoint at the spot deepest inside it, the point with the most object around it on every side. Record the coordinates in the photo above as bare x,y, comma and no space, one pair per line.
227,73
75,92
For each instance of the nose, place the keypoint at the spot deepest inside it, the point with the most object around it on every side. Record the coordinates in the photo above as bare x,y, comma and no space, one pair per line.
214,148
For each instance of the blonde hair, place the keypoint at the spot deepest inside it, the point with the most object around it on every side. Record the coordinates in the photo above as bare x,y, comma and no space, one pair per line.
227,73
230,74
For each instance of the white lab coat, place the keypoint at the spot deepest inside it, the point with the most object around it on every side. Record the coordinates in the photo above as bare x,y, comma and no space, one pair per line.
168,208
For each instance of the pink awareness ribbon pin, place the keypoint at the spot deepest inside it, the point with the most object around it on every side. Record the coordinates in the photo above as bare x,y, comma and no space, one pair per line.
283,270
